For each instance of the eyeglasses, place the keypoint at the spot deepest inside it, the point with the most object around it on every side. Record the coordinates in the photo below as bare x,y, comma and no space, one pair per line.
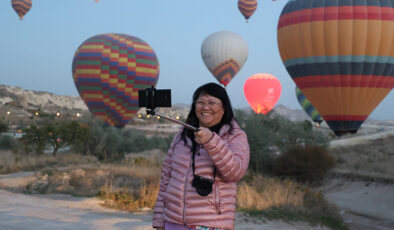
211,104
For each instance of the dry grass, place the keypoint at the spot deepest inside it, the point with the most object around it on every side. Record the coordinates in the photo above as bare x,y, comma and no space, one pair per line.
263,192
14,162
144,198
274,198
133,185
374,159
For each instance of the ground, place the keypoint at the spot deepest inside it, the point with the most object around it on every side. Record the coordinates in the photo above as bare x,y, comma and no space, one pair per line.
364,205
60,211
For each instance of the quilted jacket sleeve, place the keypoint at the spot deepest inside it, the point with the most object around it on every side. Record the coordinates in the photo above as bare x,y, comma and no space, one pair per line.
231,156
165,178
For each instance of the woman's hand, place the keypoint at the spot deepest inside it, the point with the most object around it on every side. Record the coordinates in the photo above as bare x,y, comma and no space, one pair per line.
203,135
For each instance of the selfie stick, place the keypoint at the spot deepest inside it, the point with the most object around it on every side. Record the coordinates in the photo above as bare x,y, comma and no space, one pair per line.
152,111
150,95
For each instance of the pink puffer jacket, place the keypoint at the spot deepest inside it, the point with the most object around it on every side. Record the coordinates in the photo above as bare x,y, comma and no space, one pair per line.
178,202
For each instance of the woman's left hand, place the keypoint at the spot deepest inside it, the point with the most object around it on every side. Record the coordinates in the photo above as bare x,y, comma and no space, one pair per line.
203,135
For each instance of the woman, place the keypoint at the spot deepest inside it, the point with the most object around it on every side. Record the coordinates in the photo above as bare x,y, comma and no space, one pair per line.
201,169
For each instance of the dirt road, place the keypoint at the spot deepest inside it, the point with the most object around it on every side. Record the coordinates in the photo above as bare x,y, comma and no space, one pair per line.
363,205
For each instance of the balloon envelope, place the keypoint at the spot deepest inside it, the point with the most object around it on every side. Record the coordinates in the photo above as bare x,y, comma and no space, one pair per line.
247,7
108,71
262,91
308,107
224,53
341,55
21,7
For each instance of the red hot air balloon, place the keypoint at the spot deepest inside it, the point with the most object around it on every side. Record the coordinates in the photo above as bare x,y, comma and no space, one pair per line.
262,91
108,71
21,7
247,8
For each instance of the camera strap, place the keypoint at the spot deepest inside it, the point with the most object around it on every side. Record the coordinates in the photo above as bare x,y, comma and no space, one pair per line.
193,164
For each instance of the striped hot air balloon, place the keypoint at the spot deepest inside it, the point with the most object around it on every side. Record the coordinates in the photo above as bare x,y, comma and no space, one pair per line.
108,71
341,55
21,7
224,53
308,107
247,7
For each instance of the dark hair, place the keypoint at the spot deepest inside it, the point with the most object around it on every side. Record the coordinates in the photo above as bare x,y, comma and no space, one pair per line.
214,90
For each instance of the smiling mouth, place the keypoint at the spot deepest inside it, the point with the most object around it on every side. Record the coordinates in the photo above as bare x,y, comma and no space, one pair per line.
206,114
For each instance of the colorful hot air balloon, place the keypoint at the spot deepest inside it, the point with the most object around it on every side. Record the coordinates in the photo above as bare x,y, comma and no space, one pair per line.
308,107
262,91
108,71
224,53
21,7
247,8
341,55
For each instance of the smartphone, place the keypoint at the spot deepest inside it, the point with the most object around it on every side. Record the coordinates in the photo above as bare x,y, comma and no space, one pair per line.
152,98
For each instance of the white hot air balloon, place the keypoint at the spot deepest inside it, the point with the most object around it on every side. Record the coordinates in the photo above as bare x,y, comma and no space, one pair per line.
224,53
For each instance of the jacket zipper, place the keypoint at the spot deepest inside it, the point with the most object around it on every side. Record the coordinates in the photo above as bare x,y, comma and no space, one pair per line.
217,199
184,196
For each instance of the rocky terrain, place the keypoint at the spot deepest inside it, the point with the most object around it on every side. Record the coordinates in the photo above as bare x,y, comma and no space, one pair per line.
18,105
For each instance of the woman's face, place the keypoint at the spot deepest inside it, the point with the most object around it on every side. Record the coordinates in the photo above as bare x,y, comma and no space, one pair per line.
209,110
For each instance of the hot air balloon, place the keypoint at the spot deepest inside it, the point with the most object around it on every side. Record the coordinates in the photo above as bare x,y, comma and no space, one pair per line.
262,91
247,8
308,107
21,7
224,53
108,71
341,55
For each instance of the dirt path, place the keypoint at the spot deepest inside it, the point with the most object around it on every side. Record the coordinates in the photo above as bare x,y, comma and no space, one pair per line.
355,140
363,205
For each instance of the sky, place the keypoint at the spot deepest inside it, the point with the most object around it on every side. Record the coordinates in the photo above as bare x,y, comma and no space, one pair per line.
37,52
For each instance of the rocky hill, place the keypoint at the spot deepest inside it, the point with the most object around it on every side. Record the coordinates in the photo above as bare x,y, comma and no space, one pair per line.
31,100
21,103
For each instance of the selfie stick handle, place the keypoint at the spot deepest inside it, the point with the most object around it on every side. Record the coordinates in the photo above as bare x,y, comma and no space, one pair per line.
178,122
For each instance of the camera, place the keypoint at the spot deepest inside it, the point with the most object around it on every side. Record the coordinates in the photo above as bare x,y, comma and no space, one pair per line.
152,98
203,185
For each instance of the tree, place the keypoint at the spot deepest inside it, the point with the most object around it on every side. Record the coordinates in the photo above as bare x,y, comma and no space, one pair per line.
34,139
3,127
55,134
64,134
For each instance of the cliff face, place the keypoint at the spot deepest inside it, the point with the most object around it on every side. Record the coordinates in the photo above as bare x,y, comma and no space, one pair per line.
16,97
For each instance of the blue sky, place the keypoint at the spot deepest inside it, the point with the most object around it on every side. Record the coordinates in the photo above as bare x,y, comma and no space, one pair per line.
37,52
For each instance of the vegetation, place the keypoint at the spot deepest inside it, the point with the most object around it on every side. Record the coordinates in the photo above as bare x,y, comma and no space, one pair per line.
8,143
122,166
306,164
95,138
369,160
3,127
274,198
55,134
271,135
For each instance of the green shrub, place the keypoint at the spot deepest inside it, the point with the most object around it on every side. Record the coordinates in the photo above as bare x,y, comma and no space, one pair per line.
7,142
110,144
271,134
304,163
